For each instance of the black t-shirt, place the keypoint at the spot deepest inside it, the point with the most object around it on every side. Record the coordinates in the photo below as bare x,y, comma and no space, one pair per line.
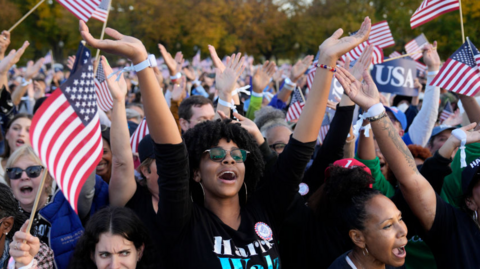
454,238
141,203
40,228
194,237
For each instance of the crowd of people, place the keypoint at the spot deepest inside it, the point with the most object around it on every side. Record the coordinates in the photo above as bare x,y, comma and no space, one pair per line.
223,180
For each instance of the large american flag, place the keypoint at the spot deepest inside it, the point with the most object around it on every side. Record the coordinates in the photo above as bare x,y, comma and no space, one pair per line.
415,45
65,131
138,135
430,9
101,12
461,72
82,9
104,96
355,53
447,112
324,129
381,36
296,106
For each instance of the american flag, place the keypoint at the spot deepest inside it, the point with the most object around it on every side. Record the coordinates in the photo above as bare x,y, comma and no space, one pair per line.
324,129
415,45
430,9
104,96
101,12
296,106
394,54
82,9
311,72
138,135
355,53
196,60
447,112
461,72
381,36
65,131
48,58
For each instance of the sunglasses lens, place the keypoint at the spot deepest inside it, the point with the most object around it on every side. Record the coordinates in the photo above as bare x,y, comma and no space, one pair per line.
34,171
239,155
217,154
14,173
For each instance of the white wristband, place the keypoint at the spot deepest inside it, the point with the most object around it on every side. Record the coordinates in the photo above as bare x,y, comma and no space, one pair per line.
257,94
177,76
374,110
432,73
224,103
26,82
151,61
462,136
366,130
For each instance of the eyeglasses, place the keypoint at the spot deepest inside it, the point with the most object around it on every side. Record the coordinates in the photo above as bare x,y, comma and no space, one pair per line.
219,154
32,171
278,147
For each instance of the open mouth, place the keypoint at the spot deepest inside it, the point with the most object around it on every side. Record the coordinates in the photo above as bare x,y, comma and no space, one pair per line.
19,142
101,166
26,189
399,252
228,176
382,165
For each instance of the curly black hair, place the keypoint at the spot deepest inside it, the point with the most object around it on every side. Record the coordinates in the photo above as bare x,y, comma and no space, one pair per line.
341,200
118,221
9,208
207,135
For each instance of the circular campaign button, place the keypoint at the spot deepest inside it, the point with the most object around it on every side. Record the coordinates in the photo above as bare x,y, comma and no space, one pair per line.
303,189
263,231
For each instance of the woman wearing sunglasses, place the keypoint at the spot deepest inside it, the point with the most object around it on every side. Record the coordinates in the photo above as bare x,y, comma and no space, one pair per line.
11,220
55,221
16,135
229,226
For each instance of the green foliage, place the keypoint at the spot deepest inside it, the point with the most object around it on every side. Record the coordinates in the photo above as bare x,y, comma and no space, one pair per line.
285,29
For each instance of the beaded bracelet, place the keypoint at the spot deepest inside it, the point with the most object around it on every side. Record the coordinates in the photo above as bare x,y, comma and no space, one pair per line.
329,68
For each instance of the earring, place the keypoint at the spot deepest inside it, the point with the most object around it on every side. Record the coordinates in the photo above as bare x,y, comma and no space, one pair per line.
246,191
365,250
202,190
475,216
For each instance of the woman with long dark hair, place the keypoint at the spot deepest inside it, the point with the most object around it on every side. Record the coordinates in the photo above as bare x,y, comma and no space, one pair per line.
225,226
114,237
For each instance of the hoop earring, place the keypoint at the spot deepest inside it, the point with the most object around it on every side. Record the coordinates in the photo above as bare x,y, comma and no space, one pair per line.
475,216
246,191
203,191
365,250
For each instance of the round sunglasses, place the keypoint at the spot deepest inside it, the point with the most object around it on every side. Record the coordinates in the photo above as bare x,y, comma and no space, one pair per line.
219,154
32,171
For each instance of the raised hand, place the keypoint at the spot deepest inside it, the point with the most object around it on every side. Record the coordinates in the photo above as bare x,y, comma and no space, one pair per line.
12,58
300,67
189,73
334,47
24,247
178,91
262,76
430,57
246,124
362,64
33,69
174,65
216,60
226,79
277,77
363,94
118,89
125,46
71,61
4,43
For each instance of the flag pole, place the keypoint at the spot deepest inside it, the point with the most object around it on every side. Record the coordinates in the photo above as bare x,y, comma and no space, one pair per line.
97,57
25,16
37,199
461,22
301,94
404,55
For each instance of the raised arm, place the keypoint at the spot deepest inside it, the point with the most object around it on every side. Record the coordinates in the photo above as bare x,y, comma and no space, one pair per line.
4,43
260,80
472,108
422,125
12,58
32,71
161,124
122,184
297,72
418,193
